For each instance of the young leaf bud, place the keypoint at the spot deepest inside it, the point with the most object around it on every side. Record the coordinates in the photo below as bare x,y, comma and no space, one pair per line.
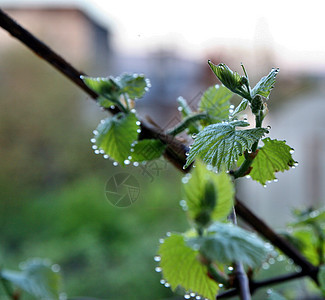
257,104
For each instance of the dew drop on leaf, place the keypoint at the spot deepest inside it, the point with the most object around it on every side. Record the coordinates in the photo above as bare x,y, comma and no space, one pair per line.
157,258
220,285
158,269
106,156
167,285
138,130
187,296
179,108
136,164
168,234
101,151
162,281
194,135
95,132
192,294
271,261
161,241
292,151
94,147
265,265
198,297
115,163
126,162
230,268
93,140
96,151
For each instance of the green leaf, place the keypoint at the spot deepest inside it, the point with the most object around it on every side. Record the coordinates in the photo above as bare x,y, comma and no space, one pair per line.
321,278
220,144
215,102
134,85
145,150
115,135
265,85
231,80
106,88
37,278
273,157
181,268
227,243
310,217
242,106
197,190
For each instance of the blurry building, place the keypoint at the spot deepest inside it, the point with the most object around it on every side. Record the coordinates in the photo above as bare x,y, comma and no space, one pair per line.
70,31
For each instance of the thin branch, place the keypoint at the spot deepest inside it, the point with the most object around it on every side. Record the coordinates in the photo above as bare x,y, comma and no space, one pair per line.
175,151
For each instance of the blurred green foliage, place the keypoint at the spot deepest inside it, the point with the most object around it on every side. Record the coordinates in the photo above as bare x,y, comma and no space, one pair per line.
52,191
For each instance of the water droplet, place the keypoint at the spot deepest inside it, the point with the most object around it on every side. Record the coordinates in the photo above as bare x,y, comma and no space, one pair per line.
198,297
280,258
131,150
288,268
112,107
115,163
194,135
158,269
268,127
179,108
184,180
167,284
130,157
138,123
269,247
187,154
248,176
231,106
101,151
276,180
298,269
271,261
292,151
55,268
192,294
269,291
138,130
209,167
106,156
96,151
133,111
168,233
126,162
264,186
94,147
136,164
290,261
220,285
162,281
187,296
161,241
314,214
230,268
146,89
296,164
157,258
231,111
93,140
95,132
265,265
102,121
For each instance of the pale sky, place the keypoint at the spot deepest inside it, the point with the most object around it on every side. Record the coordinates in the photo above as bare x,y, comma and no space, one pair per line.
294,30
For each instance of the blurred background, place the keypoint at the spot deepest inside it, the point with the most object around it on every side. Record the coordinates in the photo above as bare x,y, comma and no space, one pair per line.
52,185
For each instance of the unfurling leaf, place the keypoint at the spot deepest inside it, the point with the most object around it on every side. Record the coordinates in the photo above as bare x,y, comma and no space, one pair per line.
215,102
274,156
221,144
107,89
115,135
226,243
145,150
135,85
242,106
231,80
181,268
265,85
209,196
